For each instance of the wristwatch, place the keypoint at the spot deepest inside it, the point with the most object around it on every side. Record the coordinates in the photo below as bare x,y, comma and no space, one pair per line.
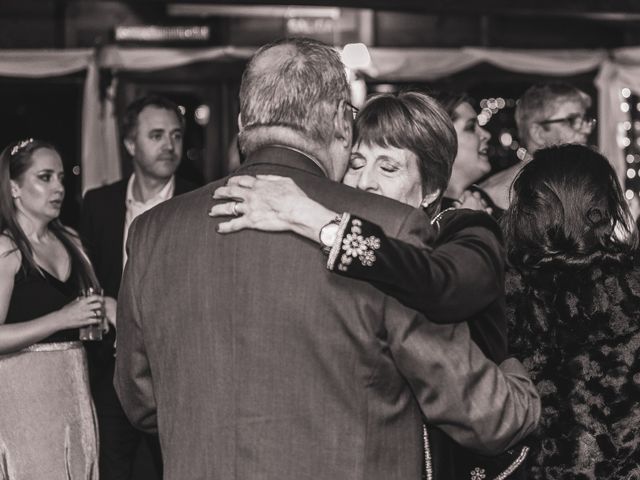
329,233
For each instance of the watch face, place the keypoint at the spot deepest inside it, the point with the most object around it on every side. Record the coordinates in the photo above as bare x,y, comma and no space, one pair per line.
328,234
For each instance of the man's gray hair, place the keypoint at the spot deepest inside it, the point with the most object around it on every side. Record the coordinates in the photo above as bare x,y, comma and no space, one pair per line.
541,101
298,88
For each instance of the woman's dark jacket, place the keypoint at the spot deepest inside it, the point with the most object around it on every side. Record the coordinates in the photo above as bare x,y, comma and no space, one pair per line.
460,279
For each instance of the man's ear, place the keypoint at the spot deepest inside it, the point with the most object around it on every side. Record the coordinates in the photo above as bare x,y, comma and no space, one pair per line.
240,125
130,145
343,124
538,136
429,198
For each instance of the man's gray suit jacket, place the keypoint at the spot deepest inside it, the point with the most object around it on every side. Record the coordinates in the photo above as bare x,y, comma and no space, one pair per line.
252,361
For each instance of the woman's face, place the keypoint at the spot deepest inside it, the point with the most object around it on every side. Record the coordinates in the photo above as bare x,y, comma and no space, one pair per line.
39,191
388,171
472,161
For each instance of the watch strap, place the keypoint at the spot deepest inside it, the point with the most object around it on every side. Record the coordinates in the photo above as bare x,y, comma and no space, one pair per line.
335,248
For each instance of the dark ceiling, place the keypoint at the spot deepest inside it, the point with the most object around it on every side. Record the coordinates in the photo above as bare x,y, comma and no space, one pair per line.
598,10
403,23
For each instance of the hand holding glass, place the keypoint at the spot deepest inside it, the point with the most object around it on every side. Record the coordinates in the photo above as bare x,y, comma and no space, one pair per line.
93,332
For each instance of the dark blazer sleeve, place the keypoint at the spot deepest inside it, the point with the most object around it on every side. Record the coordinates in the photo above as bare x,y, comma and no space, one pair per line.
455,277
132,379
481,406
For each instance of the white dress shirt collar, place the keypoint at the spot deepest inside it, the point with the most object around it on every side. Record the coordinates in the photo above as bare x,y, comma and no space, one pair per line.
136,207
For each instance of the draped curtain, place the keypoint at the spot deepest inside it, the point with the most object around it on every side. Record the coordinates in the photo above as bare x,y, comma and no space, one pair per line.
100,153
43,63
429,64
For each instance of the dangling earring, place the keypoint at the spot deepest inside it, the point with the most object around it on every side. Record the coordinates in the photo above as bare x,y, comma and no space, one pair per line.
426,201
429,198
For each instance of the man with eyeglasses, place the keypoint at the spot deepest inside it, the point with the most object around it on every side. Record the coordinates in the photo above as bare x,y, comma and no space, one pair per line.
547,114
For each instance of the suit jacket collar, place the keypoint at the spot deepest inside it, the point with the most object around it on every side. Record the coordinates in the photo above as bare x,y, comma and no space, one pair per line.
286,157
165,193
182,186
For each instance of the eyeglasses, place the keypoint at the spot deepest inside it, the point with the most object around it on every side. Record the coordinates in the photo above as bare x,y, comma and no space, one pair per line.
354,109
577,121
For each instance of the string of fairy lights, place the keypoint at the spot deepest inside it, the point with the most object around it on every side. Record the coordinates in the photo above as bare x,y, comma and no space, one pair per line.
506,146
629,141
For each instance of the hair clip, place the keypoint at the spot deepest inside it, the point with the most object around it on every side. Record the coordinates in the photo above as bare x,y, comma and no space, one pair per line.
20,145
594,215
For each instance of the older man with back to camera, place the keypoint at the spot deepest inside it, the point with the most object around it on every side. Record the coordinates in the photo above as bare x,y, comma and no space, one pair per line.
251,361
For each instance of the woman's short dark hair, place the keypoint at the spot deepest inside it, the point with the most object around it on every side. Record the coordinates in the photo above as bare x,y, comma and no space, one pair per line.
15,160
567,208
416,122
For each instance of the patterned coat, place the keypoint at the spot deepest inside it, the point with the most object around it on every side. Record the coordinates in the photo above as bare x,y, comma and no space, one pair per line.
577,331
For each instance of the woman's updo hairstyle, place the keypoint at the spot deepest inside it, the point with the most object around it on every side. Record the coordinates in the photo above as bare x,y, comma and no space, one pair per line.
567,209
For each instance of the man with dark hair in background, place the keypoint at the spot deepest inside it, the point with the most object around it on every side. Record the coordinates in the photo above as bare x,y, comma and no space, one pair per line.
252,362
152,131
547,114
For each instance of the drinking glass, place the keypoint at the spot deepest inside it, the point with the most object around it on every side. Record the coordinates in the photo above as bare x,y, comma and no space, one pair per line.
92,332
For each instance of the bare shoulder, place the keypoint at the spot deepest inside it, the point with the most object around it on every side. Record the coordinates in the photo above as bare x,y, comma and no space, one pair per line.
497,186
501,179
10,256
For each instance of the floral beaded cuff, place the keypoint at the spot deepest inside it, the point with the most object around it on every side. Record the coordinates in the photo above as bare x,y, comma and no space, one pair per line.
353,246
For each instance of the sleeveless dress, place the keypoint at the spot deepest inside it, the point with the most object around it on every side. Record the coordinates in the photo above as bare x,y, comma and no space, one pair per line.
48,426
